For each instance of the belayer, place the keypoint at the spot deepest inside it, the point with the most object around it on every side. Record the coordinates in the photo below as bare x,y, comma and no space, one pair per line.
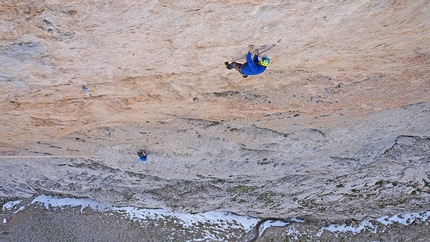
253,66
142,155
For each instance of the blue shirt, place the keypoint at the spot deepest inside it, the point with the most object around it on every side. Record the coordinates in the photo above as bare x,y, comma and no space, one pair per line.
252,67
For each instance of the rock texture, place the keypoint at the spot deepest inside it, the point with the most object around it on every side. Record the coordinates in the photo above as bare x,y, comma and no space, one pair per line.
337,127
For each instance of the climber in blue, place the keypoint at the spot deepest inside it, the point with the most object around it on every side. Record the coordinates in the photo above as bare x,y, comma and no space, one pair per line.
251,66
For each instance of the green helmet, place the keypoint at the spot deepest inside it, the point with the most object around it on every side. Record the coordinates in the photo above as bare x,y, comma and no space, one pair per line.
265,61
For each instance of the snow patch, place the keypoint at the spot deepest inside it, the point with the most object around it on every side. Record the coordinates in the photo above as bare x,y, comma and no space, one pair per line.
49,201
297,220
20,209
336,228
223,219
216,221
405,219
10,205
271,223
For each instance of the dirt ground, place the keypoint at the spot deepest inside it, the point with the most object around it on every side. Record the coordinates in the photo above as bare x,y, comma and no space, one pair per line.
36,223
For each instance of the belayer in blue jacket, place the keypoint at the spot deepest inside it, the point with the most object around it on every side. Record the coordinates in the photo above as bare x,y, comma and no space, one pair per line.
251,66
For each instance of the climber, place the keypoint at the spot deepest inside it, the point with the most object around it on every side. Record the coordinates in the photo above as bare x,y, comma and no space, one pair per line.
250,67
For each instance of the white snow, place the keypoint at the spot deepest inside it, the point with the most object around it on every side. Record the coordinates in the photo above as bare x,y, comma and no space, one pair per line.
189,220
271,223
220,220
405,219
297,220
364,225
55,202
20,209
4,220
9,205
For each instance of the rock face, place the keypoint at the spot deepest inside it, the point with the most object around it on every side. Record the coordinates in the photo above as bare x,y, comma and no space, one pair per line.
337,127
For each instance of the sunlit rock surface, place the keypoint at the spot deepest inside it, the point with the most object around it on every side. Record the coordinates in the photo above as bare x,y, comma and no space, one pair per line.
337,127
